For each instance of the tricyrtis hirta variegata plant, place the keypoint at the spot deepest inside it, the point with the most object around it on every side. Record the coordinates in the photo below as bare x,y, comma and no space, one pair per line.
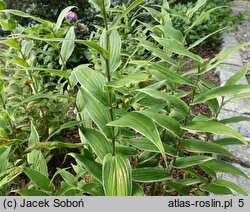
129,127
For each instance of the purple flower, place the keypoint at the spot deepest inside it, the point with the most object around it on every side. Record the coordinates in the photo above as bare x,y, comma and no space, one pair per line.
71,16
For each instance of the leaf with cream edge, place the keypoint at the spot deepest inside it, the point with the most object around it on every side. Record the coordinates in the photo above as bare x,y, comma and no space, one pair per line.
92,82
67,46
116,176
144,125
214,127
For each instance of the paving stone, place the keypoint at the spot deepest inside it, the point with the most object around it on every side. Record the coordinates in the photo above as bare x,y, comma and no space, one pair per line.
241,106
225,71
239,180
241,127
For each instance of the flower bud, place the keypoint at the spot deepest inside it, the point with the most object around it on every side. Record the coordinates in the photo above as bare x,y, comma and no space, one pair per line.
71,16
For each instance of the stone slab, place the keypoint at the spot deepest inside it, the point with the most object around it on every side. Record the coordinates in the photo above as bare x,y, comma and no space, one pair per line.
241,106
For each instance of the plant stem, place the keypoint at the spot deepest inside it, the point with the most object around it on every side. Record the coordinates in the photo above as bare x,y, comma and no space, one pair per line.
186,119
108,74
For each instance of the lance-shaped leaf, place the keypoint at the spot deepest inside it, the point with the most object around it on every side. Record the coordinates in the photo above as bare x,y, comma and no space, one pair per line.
214,127
236,77
169,75
116,175
94,168
39,179
157,52
99,113
165,121
176,102
177,48
97,141
114,50
197,6
126,12
220,91
142,124
30,192
4,157
147,145
148,175
92,82
221,166
132,78
67,46
35,158
203,147
62,16
231,185
185,162
216,189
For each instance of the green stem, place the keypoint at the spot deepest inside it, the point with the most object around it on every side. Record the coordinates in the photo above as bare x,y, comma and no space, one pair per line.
108,74
186,119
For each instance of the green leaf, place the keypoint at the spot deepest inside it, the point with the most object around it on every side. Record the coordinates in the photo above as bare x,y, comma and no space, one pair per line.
64,126
221,166
221,57
236,77
4,157
177,48
180,188
30,192
154,13
10,174
142,124
170,75
196,43
228,141
202,16
231,185
147,145
197,6
214,127
149,175
184,162
90,44
68,177
157,52
137,190
116,175
125,150
37,161
67,46
203,147
39,179
12,43
176,102
165,121
2,5
99,113
126,80
98,142
235,119
98,4
34,137
171,32
91,166
26,15
125,13
61,17
216,189
92,82
114,50
220,91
